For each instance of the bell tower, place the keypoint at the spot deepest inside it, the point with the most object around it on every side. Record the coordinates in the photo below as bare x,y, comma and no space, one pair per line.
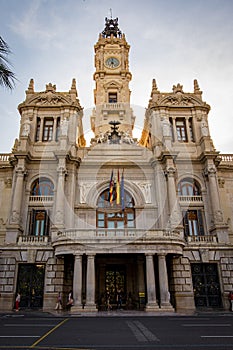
112,77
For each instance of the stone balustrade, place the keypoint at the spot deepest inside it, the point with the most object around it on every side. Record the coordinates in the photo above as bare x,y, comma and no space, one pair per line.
33,240
77,234
202,239
4,157
226,158
41,199
190,199
114,106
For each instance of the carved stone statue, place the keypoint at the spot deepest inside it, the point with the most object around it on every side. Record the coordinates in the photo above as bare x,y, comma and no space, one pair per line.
204,129
26,128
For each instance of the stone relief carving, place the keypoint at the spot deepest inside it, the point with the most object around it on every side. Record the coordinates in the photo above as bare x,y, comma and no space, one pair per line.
8,182
166,128
26,128
84,190
64,126
218,216
145,187
204,129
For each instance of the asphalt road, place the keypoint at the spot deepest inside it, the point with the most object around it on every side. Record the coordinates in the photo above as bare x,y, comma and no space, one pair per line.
44,331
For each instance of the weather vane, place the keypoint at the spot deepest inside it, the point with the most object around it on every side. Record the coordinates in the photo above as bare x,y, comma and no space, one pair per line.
110,12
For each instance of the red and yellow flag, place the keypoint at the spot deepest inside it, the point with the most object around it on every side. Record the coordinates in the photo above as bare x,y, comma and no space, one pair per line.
118,194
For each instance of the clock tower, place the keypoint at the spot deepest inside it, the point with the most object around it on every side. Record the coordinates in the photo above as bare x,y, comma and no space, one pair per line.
112,77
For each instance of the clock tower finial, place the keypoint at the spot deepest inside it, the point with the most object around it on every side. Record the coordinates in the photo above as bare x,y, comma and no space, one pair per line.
111,28
112,77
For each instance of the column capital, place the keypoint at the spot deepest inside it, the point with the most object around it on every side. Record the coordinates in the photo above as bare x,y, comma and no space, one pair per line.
170,171
210,171
149,254
162,255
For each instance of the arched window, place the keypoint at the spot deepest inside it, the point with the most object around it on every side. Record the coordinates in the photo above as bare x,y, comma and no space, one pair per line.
42,187
188,187
192,207
112,215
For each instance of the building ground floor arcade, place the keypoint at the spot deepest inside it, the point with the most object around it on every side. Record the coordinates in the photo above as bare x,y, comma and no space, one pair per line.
151,281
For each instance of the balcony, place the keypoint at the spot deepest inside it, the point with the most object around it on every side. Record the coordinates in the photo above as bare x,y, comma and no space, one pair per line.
190,199
113,106
4,157
41,199
202,239
115,235
33,240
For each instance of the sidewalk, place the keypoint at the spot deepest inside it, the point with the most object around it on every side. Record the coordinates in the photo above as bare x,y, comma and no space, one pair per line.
114,313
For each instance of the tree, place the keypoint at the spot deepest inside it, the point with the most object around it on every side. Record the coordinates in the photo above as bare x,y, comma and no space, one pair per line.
7,77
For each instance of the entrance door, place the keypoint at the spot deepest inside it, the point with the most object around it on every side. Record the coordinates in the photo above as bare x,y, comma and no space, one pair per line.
30,285
206,285
115,279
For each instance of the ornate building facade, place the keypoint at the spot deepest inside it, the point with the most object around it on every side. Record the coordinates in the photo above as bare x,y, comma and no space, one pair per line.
151,218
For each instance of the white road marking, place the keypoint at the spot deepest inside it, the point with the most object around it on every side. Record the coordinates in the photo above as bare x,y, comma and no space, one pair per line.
138,334
148,334
19,336
216,336
141,332
29,325
207,325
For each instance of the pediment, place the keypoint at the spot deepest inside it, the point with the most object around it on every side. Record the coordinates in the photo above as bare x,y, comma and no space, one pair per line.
49,98
112,85
180,99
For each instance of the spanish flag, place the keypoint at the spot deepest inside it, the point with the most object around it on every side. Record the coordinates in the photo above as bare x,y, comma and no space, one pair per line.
118,194
122,190
111,188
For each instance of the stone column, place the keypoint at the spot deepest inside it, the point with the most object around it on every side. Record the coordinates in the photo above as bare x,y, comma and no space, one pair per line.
41,129
60,198
174,129
188,129
214,194
77,283
90,291
163,283
150,282
17,194
14,228
174,210
219,227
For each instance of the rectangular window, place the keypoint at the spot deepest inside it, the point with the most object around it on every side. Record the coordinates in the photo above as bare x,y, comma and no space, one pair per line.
193,223
112,97
39,223
38,124
181,130
48,129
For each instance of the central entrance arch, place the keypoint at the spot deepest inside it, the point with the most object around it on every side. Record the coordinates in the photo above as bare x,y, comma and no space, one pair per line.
115,272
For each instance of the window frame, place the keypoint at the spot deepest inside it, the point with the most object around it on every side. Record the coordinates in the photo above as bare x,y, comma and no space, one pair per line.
47,135
111,214
39,227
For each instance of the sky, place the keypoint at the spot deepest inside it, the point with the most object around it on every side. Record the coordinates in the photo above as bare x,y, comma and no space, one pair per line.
173,41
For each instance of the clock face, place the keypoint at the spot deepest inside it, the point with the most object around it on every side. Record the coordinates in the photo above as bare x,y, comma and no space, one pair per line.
112,62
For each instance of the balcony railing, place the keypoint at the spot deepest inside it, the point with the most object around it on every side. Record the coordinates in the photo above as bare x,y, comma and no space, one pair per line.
4,157
113,234
190,199
202,239
33,240
41,199
226,158
114,106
